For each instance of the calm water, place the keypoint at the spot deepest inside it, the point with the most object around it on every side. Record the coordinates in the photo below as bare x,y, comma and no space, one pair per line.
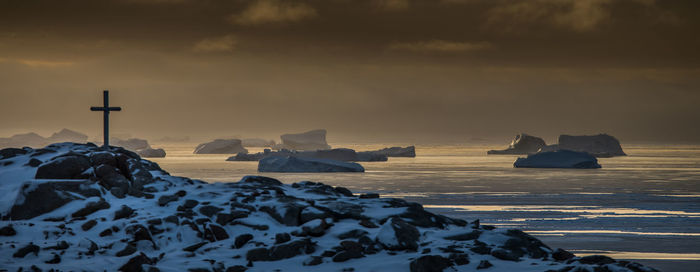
643,207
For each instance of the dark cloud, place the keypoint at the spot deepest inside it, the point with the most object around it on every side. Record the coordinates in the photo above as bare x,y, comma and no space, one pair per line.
399,70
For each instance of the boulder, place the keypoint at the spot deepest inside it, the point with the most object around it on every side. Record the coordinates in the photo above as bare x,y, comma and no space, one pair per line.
221,146
64,167
601,145
67,135
304,165
151,153
558,159
522,144
396,234
430,263
39,197
310,140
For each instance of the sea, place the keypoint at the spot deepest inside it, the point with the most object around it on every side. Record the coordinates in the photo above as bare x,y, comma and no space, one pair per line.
644,207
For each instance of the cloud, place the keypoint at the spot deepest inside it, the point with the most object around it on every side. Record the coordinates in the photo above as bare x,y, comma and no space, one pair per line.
578,15
220,44
44,63
391,5
273,11
439,46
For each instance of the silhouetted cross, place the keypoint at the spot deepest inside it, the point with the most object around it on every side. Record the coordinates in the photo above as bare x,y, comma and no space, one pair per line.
106,109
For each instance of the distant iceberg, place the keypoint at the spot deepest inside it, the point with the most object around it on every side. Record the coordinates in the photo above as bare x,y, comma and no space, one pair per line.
310,140
558,159
601,145
522,144
221,146
303,165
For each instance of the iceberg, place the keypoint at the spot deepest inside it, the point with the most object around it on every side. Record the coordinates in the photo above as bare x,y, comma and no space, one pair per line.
522,144
303,165
221,146
310,140
601,145
558,159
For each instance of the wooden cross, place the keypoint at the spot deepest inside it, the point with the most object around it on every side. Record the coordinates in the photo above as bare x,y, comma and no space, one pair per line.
106,109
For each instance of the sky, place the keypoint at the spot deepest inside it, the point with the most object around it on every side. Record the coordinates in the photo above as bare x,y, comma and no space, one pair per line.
383,70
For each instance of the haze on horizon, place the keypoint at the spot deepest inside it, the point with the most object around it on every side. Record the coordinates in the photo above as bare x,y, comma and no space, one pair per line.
390,70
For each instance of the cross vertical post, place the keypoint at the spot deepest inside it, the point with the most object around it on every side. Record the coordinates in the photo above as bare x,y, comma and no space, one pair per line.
106,109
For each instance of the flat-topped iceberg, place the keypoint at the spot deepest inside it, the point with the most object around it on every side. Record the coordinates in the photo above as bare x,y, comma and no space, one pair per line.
140,146
221,146
558,159
601,145
124,213
522,144
310,140
304,165
339,154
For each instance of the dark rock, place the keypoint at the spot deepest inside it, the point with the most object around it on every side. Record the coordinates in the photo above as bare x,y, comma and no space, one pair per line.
596,259
225,218
236,268
138,232
11,152
281,251
562,255
430,263
484,264
123,212
106,232
459,259
54,260
102,158
505,255
190,203
30,248
117,192
155,221
219,232
194,247
136,263
368,224
7,231
164,200
91,207
242,240
480,248
369,196
63,167
346,255
172,219
44,197
209,210
60,245
465,236
406,235
128,250
34,162
282,238
313,260
266,181
343,191
356,233
522,243
88,225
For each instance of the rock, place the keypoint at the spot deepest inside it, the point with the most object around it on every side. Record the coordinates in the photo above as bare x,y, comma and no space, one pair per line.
465,236
91,207
123,212
136,263
128,250
305,165
151,153
60,245
484,264
257,142
190,203
601,145
236,268
39,197
282,238
313,260
522,144
67,135
350,250
219,232
63,167
89,224
352,234
396,234
430,263
596,259
221,146
11,152
106,232
30,248
558,159
242,239
117,192
165,199
369,196
194,247
281,251
138,233
34,162
562,255
505,255
54,260
209,210
225,218
310,140
7,231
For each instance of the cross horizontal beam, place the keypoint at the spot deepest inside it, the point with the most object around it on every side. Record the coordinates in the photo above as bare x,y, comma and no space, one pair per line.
105,109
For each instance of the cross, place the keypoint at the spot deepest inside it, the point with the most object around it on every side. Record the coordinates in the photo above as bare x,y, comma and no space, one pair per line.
106,109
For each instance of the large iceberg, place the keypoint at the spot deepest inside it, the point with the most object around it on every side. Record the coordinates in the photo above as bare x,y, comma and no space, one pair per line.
304,165
339,154
140,146
522,144
128,214
310,140
558,159
221,146
601,145
257,142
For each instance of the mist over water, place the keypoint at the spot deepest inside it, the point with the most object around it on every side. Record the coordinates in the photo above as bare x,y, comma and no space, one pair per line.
644,206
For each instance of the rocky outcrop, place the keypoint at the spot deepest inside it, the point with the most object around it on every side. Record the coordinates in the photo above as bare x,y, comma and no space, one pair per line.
221,146
339,154
601,145
310,140
257,223
558,159
522,144
304,165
